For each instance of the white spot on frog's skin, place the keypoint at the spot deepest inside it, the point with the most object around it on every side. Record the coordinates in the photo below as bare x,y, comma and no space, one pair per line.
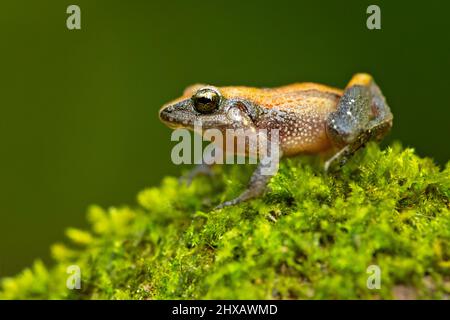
349,113
298,130
234,114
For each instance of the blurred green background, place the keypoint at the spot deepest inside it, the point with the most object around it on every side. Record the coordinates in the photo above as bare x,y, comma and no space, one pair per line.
79,125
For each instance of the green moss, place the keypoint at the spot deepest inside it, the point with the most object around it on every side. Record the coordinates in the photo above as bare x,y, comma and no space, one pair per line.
313,236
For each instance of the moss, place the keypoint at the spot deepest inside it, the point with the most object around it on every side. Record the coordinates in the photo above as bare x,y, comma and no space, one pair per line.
313,236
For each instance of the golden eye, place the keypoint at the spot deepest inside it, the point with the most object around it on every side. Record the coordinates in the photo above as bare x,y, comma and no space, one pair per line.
206,100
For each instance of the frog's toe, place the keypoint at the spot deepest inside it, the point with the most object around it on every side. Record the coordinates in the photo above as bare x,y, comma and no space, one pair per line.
337,160
226,204
245,196
232,202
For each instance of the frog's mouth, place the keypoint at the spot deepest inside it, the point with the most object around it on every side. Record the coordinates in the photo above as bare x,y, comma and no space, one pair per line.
172,125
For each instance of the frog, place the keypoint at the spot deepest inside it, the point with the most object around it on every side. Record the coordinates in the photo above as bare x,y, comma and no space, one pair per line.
310,118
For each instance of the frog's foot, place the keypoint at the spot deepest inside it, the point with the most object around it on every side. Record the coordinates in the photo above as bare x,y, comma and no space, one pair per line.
362,115
338,159
256,187
242,198
200,169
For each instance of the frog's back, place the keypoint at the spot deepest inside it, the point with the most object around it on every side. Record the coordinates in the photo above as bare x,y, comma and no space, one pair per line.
290,97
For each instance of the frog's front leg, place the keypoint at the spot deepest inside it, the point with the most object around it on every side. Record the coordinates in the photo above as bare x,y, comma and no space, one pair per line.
257,185
362,114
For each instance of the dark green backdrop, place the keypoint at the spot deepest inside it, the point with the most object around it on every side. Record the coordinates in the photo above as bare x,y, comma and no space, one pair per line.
78,122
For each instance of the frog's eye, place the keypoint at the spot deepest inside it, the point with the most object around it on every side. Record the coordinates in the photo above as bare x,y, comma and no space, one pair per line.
206,100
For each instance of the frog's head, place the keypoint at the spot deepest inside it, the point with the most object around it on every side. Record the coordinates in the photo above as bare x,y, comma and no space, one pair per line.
206,106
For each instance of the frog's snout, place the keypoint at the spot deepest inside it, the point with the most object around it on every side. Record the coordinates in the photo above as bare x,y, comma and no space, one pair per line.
166,115
174,116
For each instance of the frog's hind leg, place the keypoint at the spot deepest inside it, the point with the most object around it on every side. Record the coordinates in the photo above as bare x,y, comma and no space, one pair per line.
362,114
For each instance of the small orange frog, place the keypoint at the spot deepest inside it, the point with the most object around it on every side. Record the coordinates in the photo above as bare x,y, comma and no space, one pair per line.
310,118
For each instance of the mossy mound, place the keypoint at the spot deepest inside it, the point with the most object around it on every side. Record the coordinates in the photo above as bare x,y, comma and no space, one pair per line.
313,236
